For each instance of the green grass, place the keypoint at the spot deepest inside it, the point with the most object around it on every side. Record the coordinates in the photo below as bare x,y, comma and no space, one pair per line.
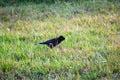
91,50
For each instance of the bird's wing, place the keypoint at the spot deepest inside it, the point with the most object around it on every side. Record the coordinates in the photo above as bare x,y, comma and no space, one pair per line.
49,41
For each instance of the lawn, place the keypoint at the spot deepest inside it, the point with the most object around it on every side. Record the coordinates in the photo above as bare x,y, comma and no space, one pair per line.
91,50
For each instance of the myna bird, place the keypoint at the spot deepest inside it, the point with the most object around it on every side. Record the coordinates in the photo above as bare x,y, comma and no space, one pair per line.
53,42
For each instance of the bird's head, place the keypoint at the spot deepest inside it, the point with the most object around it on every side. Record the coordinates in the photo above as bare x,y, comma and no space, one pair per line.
62,38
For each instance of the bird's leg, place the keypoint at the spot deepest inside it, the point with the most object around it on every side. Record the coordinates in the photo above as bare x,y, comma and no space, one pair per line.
50,45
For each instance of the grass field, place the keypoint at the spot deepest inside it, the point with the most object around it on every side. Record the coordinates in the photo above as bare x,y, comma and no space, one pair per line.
91,50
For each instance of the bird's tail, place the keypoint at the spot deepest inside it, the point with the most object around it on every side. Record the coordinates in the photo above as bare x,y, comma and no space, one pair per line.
42,43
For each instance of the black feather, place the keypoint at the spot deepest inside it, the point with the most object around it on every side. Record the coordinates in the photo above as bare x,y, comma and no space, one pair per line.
53,42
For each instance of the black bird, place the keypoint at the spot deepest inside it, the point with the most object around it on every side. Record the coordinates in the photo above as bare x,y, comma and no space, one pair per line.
53,42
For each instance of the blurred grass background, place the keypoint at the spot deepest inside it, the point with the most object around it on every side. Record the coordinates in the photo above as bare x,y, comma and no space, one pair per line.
91,50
